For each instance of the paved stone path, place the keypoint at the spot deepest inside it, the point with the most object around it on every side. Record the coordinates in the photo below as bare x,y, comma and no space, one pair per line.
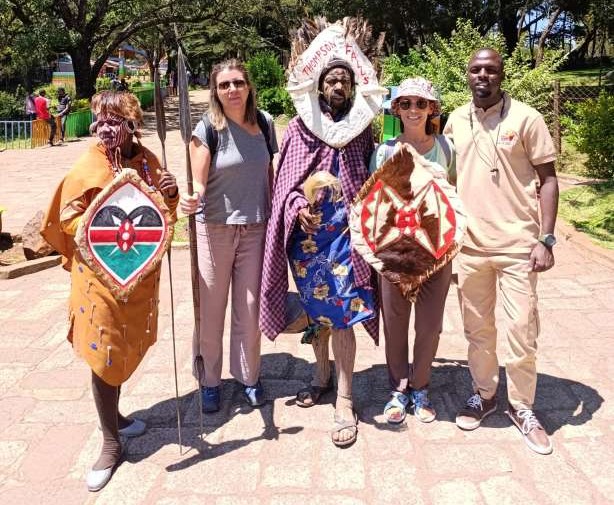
282,454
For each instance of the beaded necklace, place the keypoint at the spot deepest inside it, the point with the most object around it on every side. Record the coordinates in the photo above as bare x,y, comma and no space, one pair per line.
115,163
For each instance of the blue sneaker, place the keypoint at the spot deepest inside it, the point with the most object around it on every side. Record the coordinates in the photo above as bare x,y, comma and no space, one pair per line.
423,408
211,398
254,395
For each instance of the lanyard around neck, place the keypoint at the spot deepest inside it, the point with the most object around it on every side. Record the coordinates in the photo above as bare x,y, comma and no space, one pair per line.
483,156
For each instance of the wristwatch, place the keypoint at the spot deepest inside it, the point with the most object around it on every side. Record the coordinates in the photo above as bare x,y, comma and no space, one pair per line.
548,239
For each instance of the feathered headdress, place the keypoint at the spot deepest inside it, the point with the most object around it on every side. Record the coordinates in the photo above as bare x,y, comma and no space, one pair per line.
316,45
355,27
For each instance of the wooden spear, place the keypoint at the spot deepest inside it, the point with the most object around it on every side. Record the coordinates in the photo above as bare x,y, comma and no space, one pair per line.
161,128
185,123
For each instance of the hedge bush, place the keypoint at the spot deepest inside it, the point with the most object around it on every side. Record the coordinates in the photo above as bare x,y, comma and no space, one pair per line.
102,84
591,130
268,77
12,105
265,71
272,100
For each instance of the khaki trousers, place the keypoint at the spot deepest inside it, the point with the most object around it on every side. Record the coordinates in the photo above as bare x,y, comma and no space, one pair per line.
396,312
229,254
480,276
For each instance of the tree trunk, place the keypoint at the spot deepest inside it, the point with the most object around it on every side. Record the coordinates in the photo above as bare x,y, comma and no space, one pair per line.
85,79
521,18
508,24
542,39
152,69
580,52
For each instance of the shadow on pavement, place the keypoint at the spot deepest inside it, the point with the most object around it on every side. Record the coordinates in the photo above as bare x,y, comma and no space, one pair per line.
558,402
277,372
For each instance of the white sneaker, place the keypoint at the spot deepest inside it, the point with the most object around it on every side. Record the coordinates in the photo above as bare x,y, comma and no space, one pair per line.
97,479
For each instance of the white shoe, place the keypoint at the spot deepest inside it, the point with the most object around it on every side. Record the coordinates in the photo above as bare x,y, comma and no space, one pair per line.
135,429
97,479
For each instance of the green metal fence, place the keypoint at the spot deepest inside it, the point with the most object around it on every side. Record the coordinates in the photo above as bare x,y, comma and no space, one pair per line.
78,123
145,94
392,127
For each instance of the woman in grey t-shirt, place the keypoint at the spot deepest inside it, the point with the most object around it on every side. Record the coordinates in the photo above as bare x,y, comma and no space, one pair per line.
231,167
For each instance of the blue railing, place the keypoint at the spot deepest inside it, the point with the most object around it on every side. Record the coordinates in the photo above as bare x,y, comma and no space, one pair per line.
15,134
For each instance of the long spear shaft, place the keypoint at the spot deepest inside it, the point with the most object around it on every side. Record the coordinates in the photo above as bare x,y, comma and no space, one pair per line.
161,128
185,123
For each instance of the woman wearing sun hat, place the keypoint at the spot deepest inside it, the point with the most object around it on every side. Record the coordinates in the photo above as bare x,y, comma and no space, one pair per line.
417,106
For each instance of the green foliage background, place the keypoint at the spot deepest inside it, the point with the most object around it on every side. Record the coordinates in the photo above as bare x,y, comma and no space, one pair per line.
444,62
268,77
12,105
591,130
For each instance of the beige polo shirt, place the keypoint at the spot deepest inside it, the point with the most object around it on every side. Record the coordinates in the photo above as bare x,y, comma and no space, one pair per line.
496,151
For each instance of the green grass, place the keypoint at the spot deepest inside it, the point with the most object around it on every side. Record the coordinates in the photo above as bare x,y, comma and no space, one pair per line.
590,209
15,144
582,77
571,161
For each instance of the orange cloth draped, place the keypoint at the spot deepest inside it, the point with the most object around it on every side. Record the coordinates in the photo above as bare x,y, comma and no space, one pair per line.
112,336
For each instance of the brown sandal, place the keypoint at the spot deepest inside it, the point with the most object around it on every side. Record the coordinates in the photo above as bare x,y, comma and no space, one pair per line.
310,396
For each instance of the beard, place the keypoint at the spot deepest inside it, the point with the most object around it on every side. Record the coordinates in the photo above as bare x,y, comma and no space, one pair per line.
336,98
480,92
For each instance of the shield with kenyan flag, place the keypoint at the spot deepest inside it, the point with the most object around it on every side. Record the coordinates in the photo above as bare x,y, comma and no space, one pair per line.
124,233
407,220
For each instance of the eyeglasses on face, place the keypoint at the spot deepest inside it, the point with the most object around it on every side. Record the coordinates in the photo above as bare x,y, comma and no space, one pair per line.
237,83
421,103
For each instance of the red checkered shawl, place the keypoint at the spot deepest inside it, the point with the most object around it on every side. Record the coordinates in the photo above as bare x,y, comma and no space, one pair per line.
301,154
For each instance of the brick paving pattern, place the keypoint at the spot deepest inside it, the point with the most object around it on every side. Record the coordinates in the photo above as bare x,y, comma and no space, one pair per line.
282,454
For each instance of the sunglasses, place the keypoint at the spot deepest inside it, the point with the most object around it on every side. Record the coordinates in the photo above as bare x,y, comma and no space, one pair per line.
237,83
421,103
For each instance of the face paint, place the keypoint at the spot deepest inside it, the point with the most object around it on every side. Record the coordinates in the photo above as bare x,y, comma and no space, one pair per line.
113,130
337,87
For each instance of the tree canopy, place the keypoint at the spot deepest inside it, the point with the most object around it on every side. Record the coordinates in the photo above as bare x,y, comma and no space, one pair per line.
90,31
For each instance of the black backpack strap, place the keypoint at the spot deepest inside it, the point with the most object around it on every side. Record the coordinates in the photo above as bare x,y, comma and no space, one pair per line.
265,128
445,147
211,135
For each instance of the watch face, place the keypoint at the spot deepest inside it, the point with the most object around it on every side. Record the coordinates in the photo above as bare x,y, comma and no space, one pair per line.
549,240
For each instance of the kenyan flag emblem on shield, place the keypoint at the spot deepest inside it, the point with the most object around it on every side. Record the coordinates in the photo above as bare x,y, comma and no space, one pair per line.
125,232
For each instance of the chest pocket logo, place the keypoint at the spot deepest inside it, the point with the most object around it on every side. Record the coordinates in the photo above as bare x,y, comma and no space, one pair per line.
507,138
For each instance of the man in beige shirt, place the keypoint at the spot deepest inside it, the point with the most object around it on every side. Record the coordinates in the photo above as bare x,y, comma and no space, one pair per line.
503,146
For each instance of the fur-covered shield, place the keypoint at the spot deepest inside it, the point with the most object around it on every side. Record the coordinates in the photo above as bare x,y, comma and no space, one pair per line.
407,220
124,233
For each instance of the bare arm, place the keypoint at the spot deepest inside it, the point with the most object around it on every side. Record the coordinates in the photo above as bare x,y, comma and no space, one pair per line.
200,158
542,257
